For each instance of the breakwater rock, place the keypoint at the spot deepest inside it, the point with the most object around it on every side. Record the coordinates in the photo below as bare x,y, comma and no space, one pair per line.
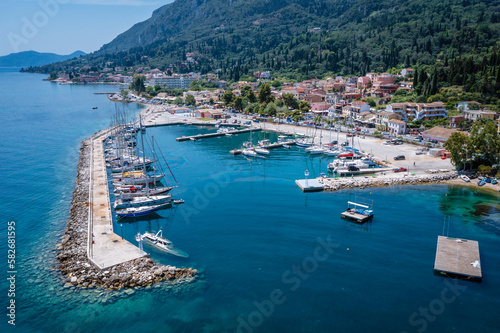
72,251
341,183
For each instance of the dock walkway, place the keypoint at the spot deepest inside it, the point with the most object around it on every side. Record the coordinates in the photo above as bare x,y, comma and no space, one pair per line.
214,135
458,258
104,248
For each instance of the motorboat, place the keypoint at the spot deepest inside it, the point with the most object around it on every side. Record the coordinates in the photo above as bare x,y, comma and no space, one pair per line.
262,151
465,178
160,243
249,153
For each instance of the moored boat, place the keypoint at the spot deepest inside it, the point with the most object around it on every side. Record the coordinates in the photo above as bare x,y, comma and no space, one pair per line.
160,243
139,211
465,178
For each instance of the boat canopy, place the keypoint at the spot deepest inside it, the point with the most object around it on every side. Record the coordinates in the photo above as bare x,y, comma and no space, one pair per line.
357,204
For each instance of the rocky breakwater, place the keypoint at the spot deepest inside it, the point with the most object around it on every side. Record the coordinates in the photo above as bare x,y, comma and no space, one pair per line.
341,183
72,251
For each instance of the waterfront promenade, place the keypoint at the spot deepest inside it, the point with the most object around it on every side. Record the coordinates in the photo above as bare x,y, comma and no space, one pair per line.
104,248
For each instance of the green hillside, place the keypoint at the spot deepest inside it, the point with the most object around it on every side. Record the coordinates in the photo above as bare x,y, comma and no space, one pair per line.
356,36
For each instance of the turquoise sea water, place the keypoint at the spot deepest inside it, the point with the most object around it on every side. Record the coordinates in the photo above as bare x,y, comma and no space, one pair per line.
272,259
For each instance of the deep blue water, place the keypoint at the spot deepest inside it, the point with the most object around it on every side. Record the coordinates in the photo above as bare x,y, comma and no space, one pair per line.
272,259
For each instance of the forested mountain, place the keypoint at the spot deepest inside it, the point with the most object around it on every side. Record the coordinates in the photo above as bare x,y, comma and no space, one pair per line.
354,37
33,58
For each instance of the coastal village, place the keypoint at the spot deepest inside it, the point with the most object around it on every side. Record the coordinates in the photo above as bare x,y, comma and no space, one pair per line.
386,143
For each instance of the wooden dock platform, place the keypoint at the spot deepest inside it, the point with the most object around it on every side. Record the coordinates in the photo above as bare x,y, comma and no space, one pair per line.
214,135
309,185
104,247
458,258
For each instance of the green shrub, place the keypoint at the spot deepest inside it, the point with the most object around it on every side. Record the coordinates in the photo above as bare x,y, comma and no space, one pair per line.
484,169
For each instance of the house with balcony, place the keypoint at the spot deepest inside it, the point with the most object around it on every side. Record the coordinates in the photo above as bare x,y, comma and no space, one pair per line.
418,111
476,114
382,118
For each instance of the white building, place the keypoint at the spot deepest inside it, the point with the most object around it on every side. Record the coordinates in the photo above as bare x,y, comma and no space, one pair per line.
396,126
419,111
171,82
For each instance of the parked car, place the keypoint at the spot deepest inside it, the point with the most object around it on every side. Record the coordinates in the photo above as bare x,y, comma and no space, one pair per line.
344,144
399,169
334,142
399,157
351,134
419,152
358,129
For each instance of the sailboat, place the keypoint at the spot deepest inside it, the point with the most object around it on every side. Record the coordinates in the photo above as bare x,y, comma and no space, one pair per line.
139,211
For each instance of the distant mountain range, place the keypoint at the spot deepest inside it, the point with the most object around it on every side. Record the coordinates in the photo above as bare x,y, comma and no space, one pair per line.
33,58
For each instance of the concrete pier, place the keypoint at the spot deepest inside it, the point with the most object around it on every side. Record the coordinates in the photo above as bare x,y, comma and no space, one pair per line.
105,248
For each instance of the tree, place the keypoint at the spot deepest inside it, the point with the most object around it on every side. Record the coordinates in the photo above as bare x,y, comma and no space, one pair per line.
277,84
138,83
290,101
53,76
179,100
238,103
228,97
484,142
265,96
211,101
195,85
190,100
457,146
304,106
124,93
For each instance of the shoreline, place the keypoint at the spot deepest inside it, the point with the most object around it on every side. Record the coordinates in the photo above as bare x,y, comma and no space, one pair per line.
78,270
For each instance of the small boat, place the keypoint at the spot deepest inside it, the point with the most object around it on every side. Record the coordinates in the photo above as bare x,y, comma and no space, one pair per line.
494,181
139,211
262,151
192,139
249,153
303,144
160,243
286,146
465,178
345,155
94,108
481,182
488,179
316,151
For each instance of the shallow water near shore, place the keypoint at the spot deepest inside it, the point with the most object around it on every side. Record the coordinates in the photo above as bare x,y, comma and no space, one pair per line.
247,228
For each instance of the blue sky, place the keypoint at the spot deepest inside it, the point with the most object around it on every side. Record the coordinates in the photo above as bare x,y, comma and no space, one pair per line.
64,26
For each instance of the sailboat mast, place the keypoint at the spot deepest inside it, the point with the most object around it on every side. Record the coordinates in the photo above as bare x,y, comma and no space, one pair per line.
144,158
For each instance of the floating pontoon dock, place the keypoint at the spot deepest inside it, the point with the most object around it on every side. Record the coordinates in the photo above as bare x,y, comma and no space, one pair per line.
214,135
458,258
359,213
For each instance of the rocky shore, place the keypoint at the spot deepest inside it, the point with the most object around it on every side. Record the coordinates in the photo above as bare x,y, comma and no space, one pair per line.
332,184
72,251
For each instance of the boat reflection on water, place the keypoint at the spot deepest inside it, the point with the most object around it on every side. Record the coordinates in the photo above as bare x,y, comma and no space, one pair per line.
160,243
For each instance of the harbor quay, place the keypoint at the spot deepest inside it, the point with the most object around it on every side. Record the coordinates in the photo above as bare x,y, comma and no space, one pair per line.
90,254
